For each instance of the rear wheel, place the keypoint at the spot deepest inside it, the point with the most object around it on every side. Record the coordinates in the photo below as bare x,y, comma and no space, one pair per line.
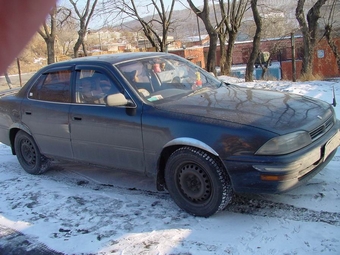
197,182
28,154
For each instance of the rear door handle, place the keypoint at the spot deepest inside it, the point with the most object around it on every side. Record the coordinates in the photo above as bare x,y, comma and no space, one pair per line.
77,118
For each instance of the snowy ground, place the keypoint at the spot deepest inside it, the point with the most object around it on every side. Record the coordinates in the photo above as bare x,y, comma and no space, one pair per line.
76,209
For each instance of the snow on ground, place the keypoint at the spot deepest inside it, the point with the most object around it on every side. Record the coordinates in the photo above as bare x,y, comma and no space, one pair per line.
77,209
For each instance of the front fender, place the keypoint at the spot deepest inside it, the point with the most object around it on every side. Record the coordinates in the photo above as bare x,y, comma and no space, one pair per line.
170,147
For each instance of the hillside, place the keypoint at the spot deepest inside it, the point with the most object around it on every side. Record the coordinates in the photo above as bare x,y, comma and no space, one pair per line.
278,18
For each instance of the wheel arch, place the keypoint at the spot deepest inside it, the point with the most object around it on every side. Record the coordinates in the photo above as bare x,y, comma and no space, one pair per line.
13,132
172,146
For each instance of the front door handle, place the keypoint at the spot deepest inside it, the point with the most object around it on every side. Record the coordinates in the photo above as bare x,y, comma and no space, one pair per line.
77,118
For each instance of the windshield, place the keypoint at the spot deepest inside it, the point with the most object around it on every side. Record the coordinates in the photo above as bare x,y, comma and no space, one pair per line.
166,77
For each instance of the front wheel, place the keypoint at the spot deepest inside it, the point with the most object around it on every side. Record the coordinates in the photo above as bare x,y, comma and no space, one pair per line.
28,154
197,182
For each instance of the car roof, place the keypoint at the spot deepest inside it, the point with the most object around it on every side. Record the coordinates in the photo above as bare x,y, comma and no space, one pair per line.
105,58
110,58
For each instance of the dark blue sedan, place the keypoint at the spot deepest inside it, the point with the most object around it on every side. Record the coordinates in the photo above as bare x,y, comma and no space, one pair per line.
160,115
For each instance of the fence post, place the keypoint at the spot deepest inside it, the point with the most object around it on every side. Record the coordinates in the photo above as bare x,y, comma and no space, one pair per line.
19,70
293,58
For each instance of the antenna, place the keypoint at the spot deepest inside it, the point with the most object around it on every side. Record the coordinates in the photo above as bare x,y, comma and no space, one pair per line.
334,99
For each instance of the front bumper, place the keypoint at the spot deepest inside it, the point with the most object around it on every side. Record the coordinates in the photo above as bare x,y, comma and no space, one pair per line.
276,174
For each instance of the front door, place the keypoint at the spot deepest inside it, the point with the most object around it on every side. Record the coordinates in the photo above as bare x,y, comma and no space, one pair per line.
109,136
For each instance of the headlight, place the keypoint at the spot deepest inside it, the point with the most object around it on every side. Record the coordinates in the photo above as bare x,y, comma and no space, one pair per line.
285,144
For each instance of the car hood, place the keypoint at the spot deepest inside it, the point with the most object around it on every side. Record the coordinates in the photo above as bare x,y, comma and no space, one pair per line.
273,111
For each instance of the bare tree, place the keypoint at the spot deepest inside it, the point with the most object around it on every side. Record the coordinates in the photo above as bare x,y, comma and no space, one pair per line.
278,18
232,14
309,32
204,15
49,32
256,41
329,31
84,19
66,34
161,18
164,21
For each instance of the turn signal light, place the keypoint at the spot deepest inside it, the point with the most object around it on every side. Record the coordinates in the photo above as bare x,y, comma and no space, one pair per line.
271,177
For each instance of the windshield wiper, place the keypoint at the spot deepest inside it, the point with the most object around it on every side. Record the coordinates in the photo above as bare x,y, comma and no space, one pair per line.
224,83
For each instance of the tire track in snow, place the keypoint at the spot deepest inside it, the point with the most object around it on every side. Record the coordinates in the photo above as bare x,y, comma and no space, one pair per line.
244,204
254,206
259,207
14,242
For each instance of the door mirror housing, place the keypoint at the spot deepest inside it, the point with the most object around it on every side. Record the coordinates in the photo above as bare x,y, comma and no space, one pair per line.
117,100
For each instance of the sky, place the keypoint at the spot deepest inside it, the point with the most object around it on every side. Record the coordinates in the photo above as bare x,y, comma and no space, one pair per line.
98,22
77,209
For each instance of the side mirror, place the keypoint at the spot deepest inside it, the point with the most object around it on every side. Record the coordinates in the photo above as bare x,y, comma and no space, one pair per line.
117,100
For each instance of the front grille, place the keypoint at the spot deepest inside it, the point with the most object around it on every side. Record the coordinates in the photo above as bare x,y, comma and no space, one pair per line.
319,131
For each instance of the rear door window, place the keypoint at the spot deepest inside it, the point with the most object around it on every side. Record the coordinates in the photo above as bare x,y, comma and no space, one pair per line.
52,86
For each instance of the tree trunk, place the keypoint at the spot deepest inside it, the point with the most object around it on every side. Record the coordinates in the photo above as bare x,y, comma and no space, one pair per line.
84,19
309,33
77,45
232,12
84,49
264,71
223,53
300,16
230,49
50,50
332,45
150,35
48,33
256,42
204,15
211,59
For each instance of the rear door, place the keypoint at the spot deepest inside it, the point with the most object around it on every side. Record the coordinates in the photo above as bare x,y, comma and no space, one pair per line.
109,136
45,112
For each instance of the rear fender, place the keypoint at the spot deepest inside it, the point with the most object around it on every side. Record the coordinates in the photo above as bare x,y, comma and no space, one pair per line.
14,130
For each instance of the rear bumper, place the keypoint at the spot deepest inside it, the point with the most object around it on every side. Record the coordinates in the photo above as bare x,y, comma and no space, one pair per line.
4,136
276,174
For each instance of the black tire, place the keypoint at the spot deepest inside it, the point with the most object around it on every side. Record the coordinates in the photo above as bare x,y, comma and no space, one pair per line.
28,154
186,170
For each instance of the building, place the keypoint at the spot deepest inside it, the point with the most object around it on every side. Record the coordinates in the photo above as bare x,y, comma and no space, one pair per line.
325,63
